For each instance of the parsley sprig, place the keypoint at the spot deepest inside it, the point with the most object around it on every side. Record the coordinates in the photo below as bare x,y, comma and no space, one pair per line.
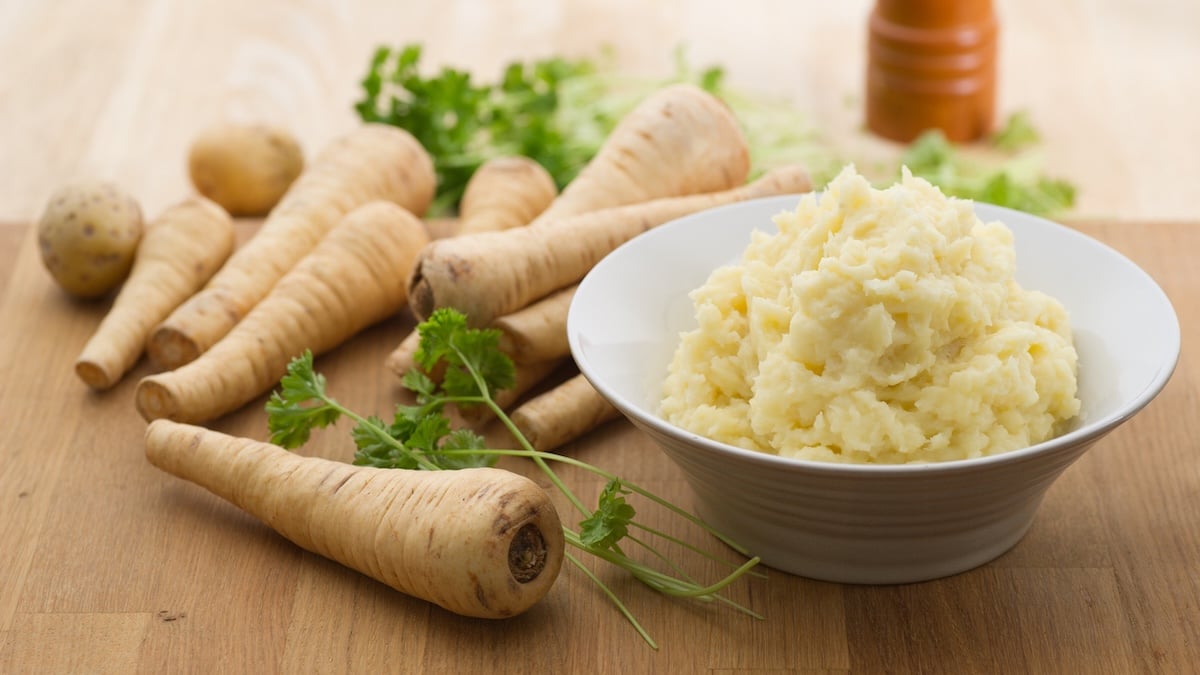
557,111
421,436
1015,182
463,122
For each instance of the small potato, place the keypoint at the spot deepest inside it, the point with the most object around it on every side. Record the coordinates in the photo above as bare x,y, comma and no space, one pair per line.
245,168
88,236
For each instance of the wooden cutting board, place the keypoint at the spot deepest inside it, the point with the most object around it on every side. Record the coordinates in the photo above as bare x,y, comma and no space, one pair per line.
111,566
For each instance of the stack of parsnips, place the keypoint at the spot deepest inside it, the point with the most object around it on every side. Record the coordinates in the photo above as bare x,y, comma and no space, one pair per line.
679,152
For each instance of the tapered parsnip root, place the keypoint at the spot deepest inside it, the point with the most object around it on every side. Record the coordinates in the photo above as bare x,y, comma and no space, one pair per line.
352,279
374,162
485,543
681,140
494,273
562,414
537,332
178,253
503,193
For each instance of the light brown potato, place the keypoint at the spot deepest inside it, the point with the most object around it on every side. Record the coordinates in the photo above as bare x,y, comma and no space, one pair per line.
245,168
88,236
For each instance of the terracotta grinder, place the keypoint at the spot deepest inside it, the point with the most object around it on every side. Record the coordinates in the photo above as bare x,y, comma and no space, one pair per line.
931,65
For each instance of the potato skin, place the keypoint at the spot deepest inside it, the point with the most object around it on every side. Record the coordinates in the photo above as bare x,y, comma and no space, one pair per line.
245,168
88,236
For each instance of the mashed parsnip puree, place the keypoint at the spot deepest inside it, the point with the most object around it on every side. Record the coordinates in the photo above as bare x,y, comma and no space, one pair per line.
877,326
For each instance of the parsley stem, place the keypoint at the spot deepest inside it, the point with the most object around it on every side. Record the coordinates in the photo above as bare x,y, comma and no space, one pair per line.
621,607
376,431
486,397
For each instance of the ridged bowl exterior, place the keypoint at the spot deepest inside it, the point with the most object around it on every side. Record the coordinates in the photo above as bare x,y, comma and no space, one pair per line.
873,524
878,527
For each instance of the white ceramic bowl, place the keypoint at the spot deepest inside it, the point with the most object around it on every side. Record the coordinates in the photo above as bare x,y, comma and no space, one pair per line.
869,523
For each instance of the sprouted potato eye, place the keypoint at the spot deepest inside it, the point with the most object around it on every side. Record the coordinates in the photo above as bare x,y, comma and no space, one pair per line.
880,326
88,236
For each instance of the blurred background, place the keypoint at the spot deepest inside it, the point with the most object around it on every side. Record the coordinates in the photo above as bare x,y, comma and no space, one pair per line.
118,89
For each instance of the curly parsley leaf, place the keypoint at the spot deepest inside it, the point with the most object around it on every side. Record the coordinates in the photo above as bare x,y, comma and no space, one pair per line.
609,523
466,352
300,405
420,437
463,123
377,445
463,439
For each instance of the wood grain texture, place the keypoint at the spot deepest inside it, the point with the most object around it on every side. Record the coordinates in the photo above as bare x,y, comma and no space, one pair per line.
119,89
112,566
107,565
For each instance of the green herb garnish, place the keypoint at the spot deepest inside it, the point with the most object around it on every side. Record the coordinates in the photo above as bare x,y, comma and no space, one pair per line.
558,112
420,437
1008,183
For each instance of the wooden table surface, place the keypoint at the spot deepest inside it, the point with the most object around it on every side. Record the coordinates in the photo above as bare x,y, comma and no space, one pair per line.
109,565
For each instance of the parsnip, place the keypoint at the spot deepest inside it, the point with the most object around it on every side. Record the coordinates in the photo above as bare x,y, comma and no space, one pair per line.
373,162
563,414
483,542
504,193
680,140
494,273
179,252
352,279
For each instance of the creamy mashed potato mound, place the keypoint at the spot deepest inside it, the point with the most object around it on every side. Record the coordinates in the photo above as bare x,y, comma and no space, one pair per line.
877,326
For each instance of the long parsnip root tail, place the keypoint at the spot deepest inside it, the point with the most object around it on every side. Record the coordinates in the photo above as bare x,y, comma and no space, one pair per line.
503,193
484,543
372,162
680,140
179,252
487,275
354,278
563,414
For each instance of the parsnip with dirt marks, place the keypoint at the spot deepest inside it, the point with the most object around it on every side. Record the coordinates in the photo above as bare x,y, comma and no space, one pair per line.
479,542
680,140
355,277
493,273
373,162
422,436
504,193
178,253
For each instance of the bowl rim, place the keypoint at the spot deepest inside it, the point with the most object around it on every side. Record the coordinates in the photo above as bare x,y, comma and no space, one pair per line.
1087,432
